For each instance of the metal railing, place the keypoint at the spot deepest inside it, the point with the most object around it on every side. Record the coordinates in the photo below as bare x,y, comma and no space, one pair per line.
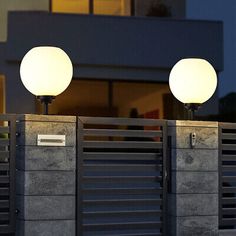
7,173
227,175
121,176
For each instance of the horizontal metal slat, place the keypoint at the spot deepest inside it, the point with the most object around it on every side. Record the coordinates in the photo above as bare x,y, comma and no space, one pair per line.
227,125
7,229
124,201
228,178
229,168
121,156
121,213
228,221
4,129
4,166
123,133
4,216
228,157
4,204
228,136
123,190
4,179
122,167
121,178
228,211
4,191
121,121
135,234
125,225
4,142
228,200
122,144
229,189
4,154
108,233
229,147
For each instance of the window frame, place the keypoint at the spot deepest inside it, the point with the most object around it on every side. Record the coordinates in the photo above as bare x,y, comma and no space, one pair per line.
91,7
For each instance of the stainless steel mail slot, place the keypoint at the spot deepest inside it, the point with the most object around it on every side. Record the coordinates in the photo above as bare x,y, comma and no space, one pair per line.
51,140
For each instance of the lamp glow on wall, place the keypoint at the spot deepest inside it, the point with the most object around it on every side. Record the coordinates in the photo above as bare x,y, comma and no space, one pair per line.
46,72
193,81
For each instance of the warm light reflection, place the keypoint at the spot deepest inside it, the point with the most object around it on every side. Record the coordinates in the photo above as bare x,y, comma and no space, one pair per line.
70,6
101,7
112,7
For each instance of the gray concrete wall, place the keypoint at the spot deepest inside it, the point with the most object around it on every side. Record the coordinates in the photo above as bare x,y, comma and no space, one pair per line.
45,177
193,201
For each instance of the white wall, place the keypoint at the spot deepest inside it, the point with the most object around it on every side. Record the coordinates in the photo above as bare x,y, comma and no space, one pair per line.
224,10
18,5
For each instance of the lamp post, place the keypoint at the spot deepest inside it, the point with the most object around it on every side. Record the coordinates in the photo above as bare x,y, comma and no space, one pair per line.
46,72
193,81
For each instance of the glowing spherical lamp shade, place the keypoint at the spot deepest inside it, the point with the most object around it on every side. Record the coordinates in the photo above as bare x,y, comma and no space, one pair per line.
193,80
46,72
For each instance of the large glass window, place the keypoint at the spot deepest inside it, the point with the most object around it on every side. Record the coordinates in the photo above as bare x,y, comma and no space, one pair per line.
115,99
112,7
100,7
70,6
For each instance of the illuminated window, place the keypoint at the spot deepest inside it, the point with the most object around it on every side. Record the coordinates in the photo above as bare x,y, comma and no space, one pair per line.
103,98
100,7
112,7
70,6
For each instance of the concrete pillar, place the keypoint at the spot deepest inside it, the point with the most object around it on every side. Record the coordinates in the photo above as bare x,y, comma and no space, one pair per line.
193,201
46,177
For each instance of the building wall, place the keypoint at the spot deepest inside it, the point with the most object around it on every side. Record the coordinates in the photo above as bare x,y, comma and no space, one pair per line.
104,47
18,5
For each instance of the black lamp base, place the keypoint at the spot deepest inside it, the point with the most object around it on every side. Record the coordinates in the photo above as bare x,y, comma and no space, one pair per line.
192,108
45,100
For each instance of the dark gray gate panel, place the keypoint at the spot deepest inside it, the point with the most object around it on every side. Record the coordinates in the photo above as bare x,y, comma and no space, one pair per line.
7,173
121,183
227,175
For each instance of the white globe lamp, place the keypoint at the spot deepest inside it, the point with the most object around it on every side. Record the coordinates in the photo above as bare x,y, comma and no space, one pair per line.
46,72
193,81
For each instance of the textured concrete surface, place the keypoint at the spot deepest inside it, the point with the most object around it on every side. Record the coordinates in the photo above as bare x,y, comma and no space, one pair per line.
193,204
45,182
194,159
46,207
195,226
46,177
45,228
205,137
195,182
30,129
192,123
46,118
45,158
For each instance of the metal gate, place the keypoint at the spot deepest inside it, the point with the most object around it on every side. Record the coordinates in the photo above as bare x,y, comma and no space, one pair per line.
7,174
121,177
227,175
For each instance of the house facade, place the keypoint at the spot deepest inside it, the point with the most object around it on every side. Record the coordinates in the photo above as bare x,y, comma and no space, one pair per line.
121,57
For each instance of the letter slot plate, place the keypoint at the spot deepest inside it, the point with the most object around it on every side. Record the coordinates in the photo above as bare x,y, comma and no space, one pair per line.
51,140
